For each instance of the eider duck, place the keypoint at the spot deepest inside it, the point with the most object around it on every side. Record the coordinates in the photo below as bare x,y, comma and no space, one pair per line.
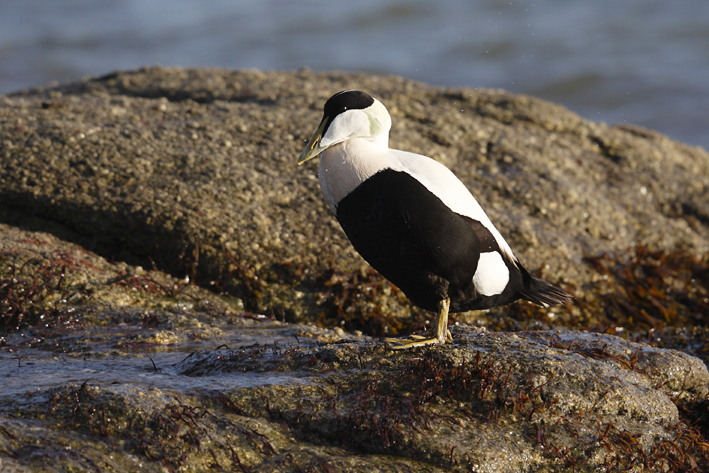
413,220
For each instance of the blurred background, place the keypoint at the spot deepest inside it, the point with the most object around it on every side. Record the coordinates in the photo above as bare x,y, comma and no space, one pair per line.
644,62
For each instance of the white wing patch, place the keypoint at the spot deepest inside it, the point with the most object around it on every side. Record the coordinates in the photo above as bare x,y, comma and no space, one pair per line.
492,274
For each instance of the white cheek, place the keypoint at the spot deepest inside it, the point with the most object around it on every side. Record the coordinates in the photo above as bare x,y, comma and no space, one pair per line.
345,126
492,274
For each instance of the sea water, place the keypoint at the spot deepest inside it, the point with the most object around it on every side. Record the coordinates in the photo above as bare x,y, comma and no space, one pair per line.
643,62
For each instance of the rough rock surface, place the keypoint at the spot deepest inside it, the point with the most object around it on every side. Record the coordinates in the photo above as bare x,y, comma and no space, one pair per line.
134,370
192,173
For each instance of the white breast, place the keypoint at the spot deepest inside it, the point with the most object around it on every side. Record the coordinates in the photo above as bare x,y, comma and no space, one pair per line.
343,167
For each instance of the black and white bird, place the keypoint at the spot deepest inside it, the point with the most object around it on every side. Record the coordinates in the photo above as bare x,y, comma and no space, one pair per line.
413,220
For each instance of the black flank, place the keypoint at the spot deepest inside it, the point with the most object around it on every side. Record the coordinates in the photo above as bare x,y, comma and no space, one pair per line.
430,252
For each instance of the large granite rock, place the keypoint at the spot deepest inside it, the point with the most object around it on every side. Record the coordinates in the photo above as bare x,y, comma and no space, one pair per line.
109,366
193,172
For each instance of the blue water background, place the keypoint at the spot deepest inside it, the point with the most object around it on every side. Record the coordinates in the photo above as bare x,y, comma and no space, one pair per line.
636,61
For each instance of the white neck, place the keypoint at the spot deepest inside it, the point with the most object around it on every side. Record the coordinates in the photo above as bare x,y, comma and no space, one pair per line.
346,165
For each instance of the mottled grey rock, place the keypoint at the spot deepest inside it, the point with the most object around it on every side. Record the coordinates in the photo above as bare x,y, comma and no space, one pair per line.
194,171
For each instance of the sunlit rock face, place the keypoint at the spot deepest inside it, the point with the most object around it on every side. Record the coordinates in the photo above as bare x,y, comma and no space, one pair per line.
167,241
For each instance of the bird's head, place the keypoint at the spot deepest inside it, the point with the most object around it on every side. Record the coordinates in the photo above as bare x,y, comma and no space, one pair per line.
348,114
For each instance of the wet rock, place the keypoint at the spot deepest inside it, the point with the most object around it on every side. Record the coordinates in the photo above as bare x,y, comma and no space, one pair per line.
530,401
274,399
150,374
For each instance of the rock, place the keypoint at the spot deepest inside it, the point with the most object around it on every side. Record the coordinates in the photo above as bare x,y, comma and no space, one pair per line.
193,171
45,279
107,365
126,369
492,402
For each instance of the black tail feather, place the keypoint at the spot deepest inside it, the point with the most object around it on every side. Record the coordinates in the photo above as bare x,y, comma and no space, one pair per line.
541,292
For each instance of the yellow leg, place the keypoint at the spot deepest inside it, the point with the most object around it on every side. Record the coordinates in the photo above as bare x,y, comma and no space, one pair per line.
442,334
